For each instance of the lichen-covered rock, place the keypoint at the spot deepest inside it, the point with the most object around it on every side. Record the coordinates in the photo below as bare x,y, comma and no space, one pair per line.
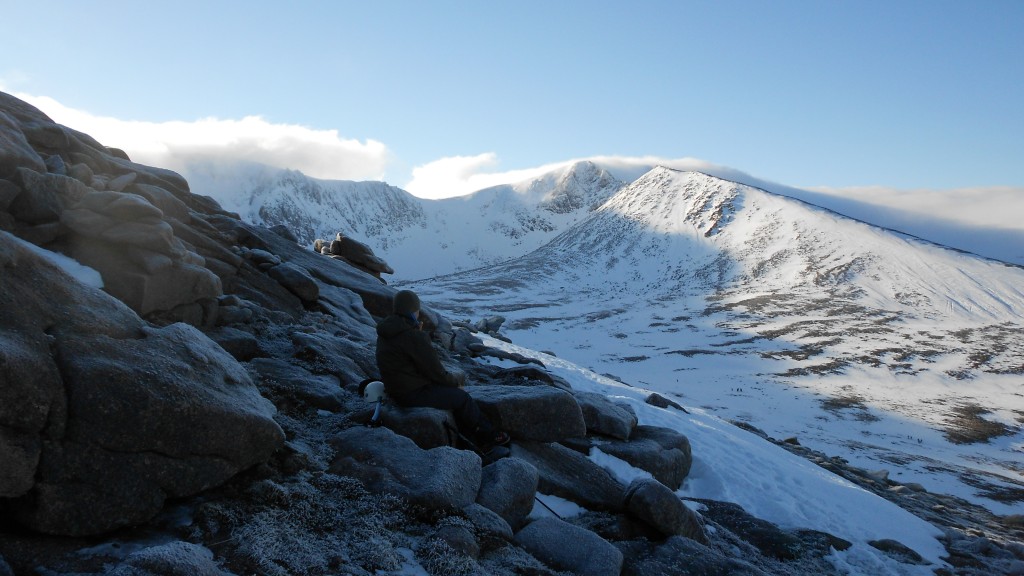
564,546
438,479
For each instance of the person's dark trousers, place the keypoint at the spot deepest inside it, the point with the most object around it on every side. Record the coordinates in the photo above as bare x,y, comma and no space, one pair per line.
467,415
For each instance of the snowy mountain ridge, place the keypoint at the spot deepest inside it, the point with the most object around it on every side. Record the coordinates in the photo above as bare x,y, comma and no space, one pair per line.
419,238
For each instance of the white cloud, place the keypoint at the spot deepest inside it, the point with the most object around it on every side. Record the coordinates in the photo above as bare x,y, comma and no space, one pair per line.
318,153
460,175
452,176
992,206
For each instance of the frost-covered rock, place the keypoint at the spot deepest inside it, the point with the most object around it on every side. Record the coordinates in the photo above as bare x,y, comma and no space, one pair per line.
679,556
174,559
297,281
508,488
427,427
538,413
441,478
650,501
605,417
564,546
492,528
291,385
663,452
490,324
571,475
768,538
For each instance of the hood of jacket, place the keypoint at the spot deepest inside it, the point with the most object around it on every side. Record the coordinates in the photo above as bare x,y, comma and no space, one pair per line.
393,326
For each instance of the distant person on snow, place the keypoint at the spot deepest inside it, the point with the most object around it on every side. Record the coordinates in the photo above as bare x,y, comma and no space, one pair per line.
413,375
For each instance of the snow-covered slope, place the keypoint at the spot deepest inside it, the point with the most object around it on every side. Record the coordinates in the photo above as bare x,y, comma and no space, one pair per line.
890,351
734,465
419,238
310,208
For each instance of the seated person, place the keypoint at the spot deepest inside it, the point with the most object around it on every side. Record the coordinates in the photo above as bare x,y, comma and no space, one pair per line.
413,375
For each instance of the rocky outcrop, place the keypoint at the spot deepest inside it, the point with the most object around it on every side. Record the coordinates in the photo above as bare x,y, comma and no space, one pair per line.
355,253
104,417
62,190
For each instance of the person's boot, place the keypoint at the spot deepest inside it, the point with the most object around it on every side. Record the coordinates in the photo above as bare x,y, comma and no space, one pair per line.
487,438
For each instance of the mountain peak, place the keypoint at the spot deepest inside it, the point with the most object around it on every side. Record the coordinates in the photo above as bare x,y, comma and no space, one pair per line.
583,185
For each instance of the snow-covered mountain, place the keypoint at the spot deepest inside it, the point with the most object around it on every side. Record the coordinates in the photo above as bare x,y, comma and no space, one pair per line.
419,238
856,338
893,352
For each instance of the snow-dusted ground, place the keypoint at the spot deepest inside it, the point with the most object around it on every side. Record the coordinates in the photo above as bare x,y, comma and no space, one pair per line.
733,465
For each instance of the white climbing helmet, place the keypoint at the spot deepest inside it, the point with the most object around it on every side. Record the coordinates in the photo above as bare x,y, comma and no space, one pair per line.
374,391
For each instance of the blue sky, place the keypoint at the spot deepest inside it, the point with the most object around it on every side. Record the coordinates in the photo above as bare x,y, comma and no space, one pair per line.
903,94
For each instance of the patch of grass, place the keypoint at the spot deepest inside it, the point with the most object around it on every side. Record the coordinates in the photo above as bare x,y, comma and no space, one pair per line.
968,427
849,402
1005,494
835,366
691,353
